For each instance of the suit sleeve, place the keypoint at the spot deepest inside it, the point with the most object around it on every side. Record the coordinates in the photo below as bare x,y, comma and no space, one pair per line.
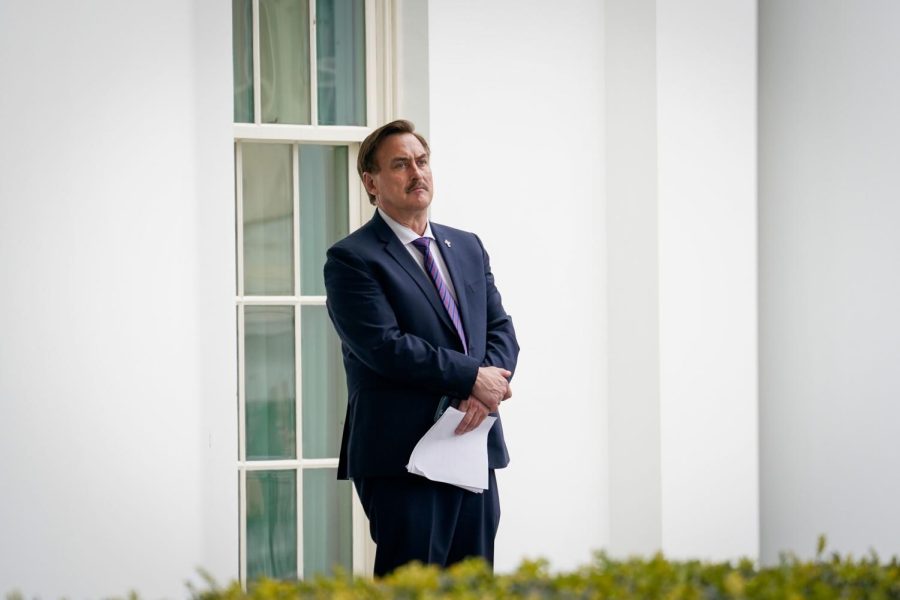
365,322
502,348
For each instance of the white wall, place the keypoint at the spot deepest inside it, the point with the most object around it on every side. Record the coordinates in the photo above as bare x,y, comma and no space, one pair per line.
112,282
829,282
706,115
117,366
517,138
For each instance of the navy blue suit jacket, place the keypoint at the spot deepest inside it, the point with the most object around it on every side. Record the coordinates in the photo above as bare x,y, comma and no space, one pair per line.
401,352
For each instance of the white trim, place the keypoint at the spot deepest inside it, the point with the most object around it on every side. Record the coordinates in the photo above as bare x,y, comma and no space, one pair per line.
239,213
280,300
242,394
313,65
299,512
371,65
287,464
295,198
360,533
257,76
335,135
298,386
320,463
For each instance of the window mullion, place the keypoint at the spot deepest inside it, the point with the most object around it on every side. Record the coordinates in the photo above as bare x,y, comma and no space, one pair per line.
313,66
337,135
298,350
300,523
257,77
242,394
371,66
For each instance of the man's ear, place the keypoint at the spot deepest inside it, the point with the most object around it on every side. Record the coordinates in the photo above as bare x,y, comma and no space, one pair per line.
369,184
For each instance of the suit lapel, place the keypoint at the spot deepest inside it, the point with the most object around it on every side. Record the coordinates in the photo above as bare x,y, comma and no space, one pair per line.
399,253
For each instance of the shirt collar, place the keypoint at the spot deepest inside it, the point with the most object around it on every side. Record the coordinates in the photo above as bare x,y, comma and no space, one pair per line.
404,233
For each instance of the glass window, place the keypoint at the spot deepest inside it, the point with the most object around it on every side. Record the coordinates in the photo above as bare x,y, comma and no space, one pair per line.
324,385
327,521
284,61
269,381
287,92
323,210
271,524
273,390
268,219
341,61
296,63
242,41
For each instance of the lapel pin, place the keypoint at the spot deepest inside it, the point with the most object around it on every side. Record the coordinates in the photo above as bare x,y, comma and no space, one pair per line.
448,243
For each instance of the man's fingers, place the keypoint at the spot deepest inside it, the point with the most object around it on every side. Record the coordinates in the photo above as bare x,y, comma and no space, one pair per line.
463,426
475,414
490,406
479,418
508,393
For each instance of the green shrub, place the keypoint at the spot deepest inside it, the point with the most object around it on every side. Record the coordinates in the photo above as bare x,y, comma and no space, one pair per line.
825,578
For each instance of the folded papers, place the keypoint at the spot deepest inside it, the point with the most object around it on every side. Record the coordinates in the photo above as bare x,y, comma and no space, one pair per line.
459,460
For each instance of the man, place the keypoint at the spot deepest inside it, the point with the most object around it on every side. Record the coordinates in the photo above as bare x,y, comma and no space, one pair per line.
415,306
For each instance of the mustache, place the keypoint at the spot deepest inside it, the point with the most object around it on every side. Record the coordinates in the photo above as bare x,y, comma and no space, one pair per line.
417,185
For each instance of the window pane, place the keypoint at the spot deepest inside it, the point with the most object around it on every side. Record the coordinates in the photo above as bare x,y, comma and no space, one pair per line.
270,382
324,385
284,60
327,522
323,210
268,219
271,524
242,42
341,61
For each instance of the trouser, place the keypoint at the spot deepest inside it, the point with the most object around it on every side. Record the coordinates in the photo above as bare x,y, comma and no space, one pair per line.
414,518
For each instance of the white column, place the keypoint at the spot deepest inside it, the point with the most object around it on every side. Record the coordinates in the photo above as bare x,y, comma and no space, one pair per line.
706,82
633,277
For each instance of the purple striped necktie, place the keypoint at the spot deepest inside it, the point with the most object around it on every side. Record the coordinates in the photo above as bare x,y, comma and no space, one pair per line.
424,245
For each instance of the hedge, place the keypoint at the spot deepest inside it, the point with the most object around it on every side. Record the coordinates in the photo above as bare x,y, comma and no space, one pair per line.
826,577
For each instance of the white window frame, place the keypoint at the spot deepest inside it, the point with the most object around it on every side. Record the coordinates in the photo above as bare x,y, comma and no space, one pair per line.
380,27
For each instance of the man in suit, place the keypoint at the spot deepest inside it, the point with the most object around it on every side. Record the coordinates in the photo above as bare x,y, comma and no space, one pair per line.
415,306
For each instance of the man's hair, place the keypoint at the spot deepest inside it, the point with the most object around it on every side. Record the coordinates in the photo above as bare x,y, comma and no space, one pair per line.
367,163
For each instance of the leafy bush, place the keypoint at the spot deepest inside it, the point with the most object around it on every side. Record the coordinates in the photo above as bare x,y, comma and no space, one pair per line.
825,578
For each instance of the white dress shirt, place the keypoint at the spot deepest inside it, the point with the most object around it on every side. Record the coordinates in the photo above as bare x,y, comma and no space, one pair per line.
407,236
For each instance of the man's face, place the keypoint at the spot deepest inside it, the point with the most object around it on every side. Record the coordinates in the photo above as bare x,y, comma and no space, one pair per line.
402,184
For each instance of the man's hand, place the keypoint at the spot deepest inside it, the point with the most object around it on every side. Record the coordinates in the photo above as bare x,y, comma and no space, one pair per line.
491,386
475,414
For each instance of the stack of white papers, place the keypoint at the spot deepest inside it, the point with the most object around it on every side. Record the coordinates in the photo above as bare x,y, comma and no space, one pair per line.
460,460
